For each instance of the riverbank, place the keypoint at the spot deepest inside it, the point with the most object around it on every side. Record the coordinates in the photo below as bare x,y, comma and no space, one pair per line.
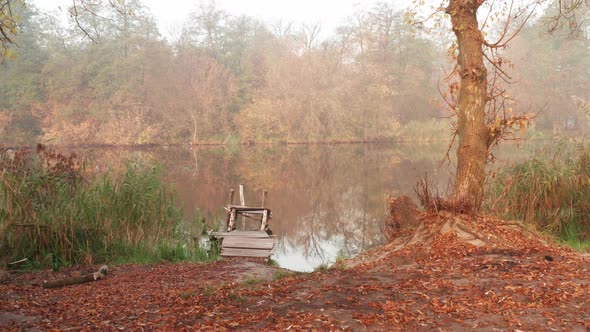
434,279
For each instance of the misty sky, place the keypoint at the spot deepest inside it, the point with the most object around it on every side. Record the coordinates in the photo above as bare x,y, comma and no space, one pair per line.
330,13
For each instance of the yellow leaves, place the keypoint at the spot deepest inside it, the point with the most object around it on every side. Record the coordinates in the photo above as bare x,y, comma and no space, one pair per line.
509,122
8,28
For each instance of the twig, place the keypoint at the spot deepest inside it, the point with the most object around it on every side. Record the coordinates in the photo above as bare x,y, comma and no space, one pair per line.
20,261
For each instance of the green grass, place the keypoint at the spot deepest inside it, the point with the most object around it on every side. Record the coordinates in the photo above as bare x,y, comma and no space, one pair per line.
251,281
51,206
144,254
208,290
282,274
571,237
187,294
549,191
323,268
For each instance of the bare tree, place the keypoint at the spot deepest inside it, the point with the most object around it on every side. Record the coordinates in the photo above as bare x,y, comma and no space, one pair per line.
569,16
281,29
309,35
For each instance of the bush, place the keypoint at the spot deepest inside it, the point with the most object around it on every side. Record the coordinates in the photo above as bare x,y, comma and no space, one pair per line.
550,191
49,206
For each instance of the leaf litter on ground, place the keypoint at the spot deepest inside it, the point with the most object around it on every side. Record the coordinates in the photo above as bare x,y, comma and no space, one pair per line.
453,273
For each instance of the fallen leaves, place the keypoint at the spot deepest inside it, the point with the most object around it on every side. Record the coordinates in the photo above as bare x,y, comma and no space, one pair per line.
440,282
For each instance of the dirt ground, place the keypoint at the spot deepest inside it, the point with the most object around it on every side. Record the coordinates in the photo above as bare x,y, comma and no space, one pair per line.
446,276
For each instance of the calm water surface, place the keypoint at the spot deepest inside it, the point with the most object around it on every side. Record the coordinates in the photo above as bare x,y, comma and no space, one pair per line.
327,201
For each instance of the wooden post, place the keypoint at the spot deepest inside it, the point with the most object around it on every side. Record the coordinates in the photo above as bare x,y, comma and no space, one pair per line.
232,191
264,220
242,199
264,194
228,223
231,225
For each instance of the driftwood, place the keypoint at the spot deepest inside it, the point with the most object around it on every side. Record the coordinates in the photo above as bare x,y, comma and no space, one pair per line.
100,274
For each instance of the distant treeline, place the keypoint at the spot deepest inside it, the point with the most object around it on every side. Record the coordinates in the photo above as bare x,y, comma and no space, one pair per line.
111,78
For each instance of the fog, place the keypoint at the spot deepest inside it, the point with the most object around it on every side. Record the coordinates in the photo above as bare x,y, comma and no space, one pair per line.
112,75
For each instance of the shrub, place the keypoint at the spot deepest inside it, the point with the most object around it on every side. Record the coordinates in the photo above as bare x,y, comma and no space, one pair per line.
550,191
50,206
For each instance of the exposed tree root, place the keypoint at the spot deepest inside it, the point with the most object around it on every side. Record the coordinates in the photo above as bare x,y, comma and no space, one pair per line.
444,235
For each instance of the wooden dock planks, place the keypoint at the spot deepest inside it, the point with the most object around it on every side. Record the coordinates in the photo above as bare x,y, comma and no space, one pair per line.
235,243
246,244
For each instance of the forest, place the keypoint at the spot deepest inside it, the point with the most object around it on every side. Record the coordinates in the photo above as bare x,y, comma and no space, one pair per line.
108,77
120,142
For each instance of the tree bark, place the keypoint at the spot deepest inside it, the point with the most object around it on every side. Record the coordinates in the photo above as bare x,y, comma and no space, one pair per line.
472,130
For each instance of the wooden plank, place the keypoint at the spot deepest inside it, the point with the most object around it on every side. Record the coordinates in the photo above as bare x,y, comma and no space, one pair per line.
245,212
245,250
243,237
247,245
247,208
255,234
246,234
269,249
261,246
229,241
246,253
232,242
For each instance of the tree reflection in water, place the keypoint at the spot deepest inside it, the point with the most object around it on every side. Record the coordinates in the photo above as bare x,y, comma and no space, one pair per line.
327,200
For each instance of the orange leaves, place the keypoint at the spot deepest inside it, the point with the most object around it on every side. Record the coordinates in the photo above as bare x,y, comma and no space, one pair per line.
454,88
435,284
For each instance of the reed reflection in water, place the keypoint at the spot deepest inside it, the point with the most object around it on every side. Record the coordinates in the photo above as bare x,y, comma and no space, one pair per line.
327,201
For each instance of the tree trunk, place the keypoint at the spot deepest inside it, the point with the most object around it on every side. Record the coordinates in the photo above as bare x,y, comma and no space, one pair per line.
472,130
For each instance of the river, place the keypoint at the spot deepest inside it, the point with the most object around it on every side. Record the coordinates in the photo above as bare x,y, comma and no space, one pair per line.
327,201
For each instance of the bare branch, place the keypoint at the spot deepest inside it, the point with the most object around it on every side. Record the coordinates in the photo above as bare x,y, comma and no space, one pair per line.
568,17
74,14
507,78
506,37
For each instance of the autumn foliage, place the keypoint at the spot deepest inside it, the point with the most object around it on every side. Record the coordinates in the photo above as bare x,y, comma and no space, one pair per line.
441,277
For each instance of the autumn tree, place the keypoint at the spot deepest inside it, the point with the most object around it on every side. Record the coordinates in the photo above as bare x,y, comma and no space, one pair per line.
9,25
474,136
476,133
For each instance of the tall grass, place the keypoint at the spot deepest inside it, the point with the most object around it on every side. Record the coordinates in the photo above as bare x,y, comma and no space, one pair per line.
551,191
50,206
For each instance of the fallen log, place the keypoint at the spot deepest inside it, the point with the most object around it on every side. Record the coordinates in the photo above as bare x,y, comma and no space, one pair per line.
100,274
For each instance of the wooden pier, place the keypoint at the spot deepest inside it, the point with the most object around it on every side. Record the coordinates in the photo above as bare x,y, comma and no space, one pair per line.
246,243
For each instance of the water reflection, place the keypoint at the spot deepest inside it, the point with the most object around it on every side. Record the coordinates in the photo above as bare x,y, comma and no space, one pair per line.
327,201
